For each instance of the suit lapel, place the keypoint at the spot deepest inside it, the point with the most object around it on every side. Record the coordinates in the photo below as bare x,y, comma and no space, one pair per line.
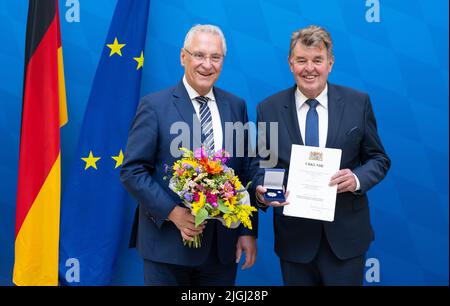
184,106
291,122
335,111
225,116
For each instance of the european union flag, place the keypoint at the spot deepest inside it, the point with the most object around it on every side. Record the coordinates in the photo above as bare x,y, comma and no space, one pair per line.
94,201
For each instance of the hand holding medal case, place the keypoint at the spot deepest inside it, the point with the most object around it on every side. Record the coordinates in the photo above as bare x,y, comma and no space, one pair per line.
273,182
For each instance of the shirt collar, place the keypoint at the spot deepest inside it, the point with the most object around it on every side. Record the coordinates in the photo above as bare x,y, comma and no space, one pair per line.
194,94
322,98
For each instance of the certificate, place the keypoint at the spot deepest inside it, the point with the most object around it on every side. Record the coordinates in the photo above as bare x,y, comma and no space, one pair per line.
310,172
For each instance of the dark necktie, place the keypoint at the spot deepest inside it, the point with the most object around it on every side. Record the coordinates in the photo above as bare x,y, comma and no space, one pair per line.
312,124
206,124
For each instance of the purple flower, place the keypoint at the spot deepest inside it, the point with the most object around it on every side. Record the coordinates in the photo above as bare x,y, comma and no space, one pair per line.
165,167
187,166
217,156
188,197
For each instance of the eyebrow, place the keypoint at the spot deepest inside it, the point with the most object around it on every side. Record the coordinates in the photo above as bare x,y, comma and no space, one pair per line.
316,57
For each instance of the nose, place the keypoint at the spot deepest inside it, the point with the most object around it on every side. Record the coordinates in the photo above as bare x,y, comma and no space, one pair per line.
309,66
207,63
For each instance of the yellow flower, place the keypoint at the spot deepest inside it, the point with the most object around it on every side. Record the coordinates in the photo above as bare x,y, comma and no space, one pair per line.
192,163
215,213
195,207
230,203
236,182
229,218
243,213
199,204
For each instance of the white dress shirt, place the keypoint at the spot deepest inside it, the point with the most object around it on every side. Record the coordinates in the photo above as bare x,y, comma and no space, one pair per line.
215,116
322,112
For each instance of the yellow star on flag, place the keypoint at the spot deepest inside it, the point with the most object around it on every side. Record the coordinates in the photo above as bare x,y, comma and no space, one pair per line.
140,60
115,47
118,159
90,161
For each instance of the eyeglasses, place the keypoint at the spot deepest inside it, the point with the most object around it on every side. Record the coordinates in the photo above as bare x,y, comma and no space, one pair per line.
201,57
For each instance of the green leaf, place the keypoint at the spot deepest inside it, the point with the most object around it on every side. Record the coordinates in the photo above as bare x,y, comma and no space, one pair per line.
201,216
248,185
221,206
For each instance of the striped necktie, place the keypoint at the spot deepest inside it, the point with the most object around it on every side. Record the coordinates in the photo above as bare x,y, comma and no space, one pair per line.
206,124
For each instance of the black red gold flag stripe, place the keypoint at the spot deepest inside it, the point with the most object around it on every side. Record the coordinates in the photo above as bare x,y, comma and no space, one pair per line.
39,181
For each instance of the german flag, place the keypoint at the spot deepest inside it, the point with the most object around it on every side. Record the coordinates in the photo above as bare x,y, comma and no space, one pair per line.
43,113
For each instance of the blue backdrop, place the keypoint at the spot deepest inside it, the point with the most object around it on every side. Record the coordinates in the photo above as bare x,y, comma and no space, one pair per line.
402,61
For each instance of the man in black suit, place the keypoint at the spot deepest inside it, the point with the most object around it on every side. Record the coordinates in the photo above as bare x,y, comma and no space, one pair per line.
316,252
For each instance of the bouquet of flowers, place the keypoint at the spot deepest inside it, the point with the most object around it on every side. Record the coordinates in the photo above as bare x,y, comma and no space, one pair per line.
211,190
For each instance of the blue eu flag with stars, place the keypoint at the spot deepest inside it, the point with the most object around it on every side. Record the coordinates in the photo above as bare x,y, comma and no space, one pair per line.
94,203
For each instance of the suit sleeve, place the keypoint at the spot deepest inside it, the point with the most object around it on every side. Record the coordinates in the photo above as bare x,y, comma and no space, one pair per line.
374,161
246,178
255,170
139,164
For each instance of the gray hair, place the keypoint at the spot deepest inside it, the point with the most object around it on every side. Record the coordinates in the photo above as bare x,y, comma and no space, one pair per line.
205,28
312,36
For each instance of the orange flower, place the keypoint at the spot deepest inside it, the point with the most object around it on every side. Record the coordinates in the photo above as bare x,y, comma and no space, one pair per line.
204,161
213,167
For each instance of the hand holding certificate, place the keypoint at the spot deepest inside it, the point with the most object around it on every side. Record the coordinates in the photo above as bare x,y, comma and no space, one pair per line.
310,171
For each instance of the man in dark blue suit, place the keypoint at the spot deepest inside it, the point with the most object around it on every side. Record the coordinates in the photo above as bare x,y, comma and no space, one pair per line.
316,252
162,220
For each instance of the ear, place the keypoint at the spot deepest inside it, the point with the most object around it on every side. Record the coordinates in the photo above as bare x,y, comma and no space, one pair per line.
291,65
182,57
331,63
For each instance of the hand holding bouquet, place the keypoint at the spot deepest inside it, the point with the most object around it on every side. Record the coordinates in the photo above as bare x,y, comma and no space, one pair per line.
211,190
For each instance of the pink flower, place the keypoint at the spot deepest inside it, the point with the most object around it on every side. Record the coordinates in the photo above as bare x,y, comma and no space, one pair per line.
200,153
228,195
228,190
221,155
196,197
211,198
228,187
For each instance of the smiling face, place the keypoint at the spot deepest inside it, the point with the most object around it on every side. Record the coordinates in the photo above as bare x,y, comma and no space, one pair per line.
202,74
310,67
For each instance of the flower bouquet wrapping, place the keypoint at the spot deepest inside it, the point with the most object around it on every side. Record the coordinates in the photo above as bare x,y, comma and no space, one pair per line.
211,190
